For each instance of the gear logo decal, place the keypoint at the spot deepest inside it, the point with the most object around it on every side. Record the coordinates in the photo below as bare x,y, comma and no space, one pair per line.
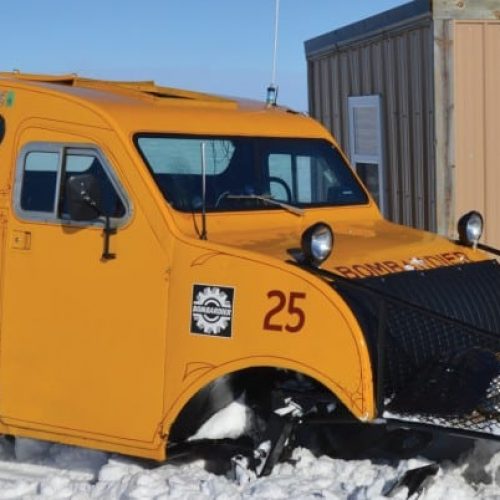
212,310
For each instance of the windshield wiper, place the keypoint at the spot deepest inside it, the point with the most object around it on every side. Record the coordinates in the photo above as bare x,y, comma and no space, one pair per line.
267,199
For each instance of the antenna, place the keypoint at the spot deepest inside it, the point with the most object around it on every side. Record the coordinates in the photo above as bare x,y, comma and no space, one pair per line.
272,90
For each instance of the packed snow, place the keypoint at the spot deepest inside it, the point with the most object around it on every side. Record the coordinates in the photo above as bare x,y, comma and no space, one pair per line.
231,422
35,469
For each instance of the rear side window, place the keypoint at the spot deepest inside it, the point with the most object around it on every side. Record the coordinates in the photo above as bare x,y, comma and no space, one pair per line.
42,173
38,191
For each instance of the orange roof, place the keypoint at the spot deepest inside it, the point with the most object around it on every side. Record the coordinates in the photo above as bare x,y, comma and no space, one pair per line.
145,106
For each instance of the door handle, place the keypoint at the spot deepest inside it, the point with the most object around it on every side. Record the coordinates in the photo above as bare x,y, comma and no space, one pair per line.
21,240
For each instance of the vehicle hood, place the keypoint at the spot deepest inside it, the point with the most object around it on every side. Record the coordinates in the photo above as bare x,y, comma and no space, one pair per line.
361,250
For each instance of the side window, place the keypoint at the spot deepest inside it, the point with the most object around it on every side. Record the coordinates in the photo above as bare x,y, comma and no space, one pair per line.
304,178
38,192
42,172
281,177
290,177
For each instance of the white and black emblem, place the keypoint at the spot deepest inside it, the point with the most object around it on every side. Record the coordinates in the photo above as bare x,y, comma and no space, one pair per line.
212,310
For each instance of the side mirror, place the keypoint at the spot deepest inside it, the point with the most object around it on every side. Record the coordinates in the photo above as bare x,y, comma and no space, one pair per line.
83,197
83,201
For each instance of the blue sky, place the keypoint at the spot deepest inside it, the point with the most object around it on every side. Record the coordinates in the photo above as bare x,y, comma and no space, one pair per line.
219,46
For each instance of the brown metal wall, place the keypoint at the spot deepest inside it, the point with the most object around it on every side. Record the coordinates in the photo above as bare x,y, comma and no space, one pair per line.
477,122
398,66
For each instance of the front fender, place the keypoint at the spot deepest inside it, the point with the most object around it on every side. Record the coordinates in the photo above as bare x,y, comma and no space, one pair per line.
329,346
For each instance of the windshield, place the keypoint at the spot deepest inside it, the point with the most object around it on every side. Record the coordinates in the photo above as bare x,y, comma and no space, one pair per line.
242,171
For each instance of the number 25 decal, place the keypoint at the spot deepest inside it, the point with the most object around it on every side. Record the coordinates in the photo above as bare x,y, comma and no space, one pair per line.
293,310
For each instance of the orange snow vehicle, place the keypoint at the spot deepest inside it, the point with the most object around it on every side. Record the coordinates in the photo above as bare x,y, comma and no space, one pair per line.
166,253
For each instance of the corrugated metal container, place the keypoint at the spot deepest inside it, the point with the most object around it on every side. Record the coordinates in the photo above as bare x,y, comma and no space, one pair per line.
393,64
436,73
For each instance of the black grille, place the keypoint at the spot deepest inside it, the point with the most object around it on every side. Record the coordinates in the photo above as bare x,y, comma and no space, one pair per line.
434,338
469,293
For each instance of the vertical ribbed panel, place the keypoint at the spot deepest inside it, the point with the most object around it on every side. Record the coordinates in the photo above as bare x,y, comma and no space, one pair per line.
398,66
477,108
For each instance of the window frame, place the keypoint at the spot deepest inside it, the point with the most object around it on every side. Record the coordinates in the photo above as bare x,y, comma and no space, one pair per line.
63,149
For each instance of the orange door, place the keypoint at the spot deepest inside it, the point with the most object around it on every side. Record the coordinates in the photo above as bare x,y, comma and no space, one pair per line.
83,338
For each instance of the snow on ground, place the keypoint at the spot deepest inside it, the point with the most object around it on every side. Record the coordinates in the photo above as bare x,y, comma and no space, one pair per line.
34,469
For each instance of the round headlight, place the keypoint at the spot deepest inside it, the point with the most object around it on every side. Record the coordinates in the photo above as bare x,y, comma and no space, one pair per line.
470,228
317,243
